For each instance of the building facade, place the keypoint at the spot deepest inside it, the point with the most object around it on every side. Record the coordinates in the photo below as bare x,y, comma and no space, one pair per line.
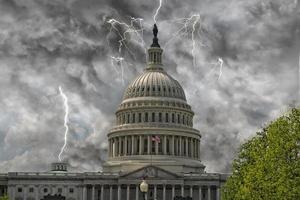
153,139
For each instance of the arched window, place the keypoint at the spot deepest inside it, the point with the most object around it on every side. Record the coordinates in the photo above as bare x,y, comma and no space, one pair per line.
178,118
167,117
173,118
133,118
128,118
183,119
146,117
160,117
140,117
153,117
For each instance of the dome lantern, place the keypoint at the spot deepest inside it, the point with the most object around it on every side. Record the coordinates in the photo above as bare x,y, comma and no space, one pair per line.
155,52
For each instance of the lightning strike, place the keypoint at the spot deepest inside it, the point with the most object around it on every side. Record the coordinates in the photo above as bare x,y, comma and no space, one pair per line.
66,120
119,62
220,61
129,29
189,27
157,10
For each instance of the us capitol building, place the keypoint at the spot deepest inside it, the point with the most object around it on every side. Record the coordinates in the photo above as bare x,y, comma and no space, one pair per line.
153,140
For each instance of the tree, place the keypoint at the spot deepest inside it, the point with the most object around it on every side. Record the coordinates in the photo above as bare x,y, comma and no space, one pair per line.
268,165
5,197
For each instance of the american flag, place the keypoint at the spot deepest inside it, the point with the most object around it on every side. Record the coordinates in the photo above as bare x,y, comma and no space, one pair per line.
156,138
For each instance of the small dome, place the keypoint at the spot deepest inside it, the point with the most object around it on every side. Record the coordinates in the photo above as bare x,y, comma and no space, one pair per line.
154,83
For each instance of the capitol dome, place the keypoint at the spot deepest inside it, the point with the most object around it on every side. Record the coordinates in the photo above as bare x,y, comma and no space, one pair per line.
154,123
154,83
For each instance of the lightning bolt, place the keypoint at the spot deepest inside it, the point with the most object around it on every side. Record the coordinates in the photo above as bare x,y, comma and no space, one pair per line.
157,10
119,61
188,27
66,119
124,30
129,28
220,61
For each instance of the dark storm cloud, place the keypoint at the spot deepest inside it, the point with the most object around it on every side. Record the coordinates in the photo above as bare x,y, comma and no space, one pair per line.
46,44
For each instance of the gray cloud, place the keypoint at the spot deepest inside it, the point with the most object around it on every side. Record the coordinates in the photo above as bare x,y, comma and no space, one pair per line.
45,44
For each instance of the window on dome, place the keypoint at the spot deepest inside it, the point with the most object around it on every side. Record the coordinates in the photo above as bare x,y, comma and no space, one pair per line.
160,117
146,117
133,118
178,118
128,117
153,117
148,88
183,119
140,117
143,89
167,117
153,89
159,88
173,118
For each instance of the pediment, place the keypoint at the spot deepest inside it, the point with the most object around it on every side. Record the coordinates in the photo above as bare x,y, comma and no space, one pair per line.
150,171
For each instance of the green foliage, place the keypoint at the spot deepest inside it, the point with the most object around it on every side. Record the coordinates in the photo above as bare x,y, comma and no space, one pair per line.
268,165
4,197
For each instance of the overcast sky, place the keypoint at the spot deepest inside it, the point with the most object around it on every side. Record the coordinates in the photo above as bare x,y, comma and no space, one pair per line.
69,43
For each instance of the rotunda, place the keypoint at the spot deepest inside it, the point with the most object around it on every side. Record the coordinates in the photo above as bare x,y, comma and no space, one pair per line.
154,123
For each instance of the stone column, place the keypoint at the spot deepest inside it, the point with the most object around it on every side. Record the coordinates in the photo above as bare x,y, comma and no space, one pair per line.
119,192
192,147
191,191
141,145
125,146
119,146
25,192
155,191
84,193
164,192
173,191
173,145
200,193
149,144
186,147
102,192
164,145
65,191
93,192
12,193
110,192
128,192
218,193
180,146
36,192
137,192
208,193
182,190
